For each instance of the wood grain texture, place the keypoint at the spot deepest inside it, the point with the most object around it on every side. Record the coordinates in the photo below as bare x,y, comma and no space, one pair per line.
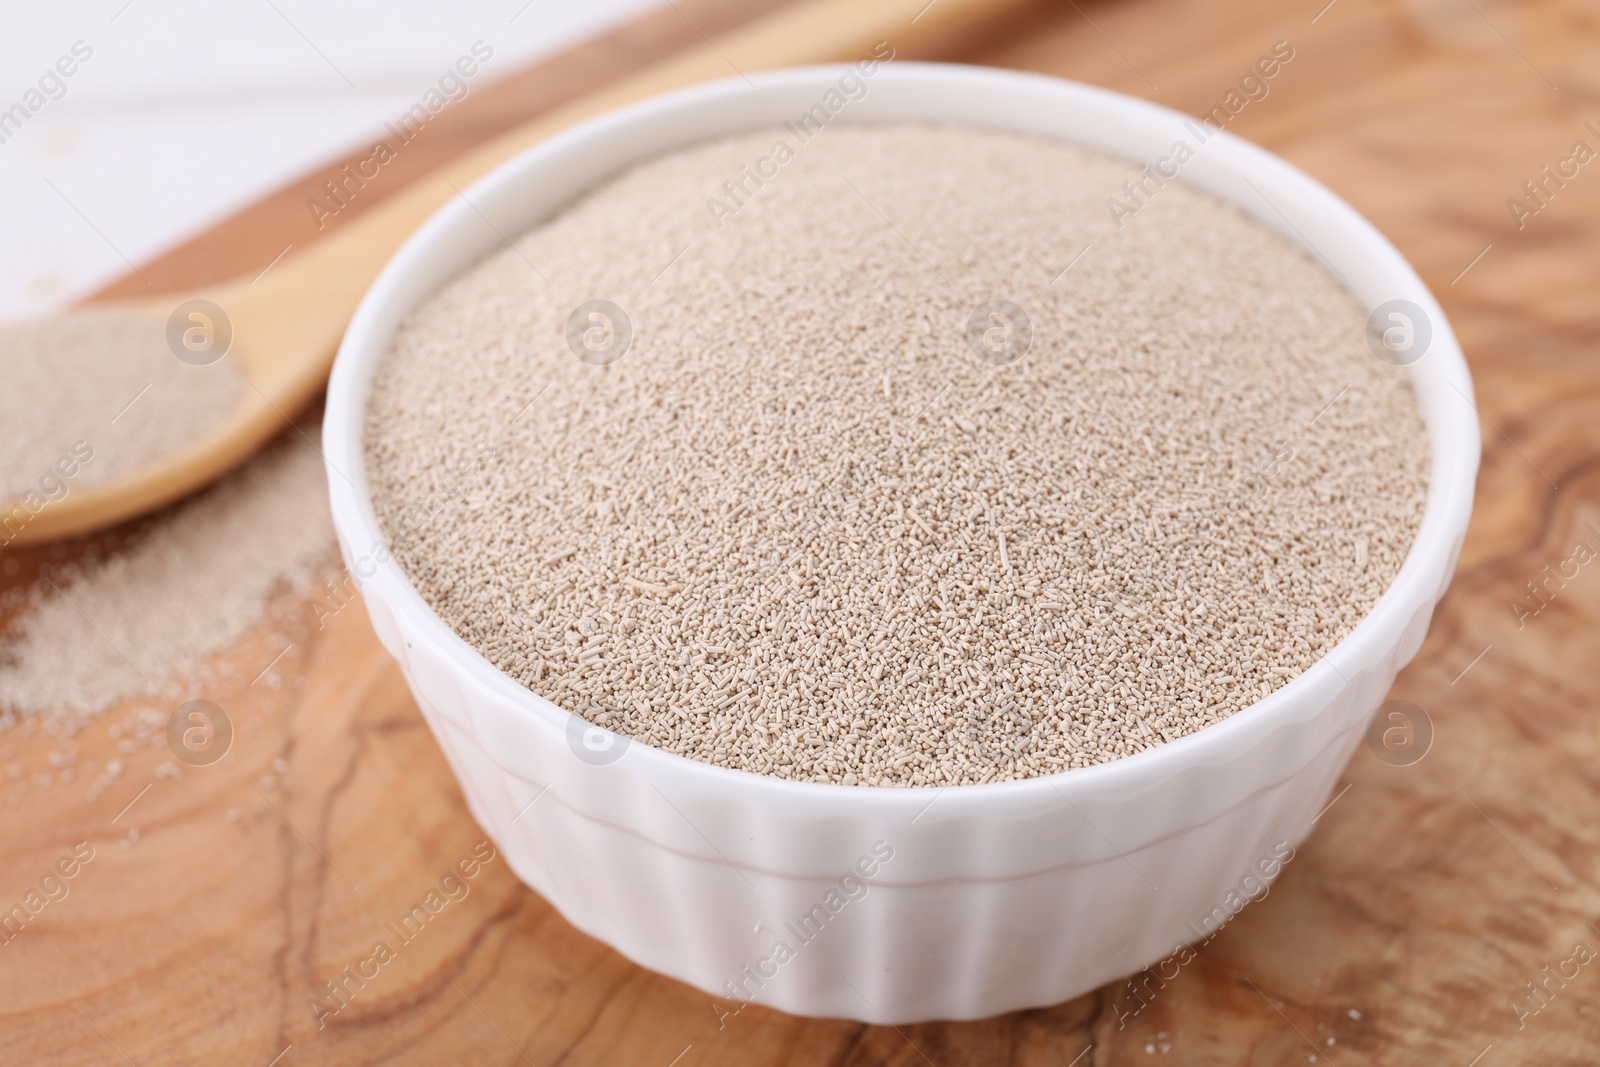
1406,928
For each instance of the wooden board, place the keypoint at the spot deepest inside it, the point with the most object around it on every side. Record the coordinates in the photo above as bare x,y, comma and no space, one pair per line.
1406,929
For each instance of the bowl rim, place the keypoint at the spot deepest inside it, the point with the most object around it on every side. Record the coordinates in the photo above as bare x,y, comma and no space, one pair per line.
1453,440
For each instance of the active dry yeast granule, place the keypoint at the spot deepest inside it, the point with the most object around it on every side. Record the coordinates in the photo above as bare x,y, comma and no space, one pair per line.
898,463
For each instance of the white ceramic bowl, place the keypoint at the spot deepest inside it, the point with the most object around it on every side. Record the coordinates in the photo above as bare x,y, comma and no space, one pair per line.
997,897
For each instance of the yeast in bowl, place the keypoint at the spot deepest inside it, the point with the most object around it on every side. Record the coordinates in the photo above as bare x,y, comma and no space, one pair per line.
1000,895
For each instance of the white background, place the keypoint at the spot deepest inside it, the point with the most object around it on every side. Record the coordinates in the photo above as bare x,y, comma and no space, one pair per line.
190,109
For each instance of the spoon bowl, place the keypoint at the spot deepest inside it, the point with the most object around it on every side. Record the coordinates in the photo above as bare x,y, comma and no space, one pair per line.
281,360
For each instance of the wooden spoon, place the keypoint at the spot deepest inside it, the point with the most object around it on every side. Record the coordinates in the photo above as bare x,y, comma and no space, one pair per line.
286,326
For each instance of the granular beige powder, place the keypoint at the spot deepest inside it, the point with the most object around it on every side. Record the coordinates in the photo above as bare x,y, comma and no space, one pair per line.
128,625
105,378
802,529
